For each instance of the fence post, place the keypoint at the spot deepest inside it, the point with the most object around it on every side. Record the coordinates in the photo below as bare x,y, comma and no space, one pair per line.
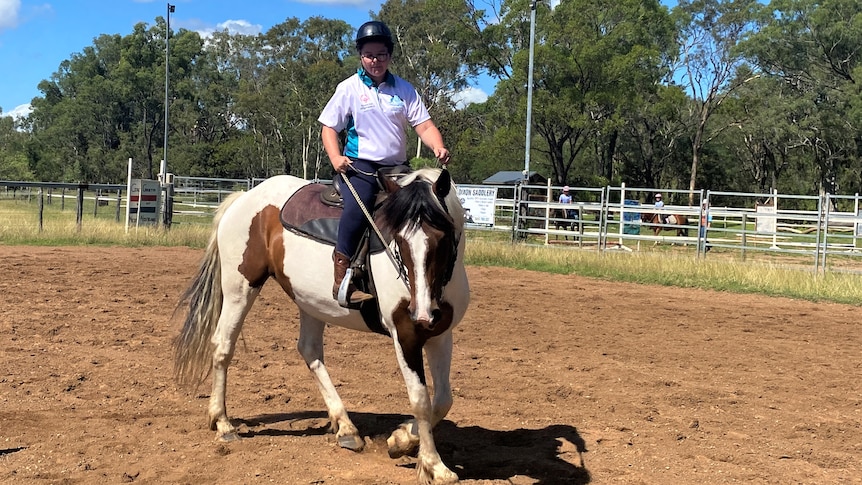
41,207
826,210
119,201
79,209
744,232
516,211
548,214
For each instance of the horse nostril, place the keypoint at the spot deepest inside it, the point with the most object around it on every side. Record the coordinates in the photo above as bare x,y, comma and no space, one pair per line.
436,315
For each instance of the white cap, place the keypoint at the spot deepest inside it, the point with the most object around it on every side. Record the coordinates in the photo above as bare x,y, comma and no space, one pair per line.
566,188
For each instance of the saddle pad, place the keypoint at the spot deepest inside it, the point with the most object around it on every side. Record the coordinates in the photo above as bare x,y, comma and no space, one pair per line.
306,215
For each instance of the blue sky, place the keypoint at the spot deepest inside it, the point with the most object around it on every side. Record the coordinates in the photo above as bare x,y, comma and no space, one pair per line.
36,36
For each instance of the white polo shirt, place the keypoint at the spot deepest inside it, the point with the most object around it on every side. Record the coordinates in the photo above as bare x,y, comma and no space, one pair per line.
376,118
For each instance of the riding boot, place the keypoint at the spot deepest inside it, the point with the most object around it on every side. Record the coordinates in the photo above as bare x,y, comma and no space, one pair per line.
341,263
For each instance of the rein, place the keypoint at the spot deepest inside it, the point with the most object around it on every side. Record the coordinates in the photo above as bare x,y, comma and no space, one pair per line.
395,258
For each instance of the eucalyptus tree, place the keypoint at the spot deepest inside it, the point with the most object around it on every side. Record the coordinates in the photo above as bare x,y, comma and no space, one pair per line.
106,104
709,31
762,139
651,137
432,42
78,119
815,49
14,164
594,60
284,77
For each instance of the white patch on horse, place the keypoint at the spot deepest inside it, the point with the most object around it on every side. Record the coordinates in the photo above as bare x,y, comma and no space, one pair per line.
422,304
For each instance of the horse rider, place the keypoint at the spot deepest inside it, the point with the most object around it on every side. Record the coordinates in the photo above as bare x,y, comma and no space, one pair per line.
566,198
374,107
659,204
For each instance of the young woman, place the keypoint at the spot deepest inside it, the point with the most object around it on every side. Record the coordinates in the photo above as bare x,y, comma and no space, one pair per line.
375,108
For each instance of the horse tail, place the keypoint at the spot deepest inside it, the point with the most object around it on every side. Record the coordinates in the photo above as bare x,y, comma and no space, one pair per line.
193,349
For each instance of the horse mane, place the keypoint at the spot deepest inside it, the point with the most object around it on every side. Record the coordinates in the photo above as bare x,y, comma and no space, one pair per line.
416,201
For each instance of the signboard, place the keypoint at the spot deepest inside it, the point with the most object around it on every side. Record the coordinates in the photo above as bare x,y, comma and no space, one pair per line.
143,202
478,202
767,223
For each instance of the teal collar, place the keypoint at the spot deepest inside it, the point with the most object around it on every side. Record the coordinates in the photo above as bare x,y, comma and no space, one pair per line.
366,79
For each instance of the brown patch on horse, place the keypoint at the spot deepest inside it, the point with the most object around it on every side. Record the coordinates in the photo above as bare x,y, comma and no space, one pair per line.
438,261
412,337
264,251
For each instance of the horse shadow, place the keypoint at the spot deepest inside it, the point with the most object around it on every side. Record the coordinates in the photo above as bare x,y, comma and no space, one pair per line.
549,455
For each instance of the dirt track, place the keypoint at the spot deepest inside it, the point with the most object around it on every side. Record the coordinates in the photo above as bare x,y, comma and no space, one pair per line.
558,379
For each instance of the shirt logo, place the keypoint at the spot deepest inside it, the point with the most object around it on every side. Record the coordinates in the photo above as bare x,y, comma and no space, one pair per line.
363,98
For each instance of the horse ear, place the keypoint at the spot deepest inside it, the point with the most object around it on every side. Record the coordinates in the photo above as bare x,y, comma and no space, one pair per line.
443,184
389,184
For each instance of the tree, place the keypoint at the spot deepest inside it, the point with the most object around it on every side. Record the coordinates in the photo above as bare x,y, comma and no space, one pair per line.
593,60
14,164
815,49
709,31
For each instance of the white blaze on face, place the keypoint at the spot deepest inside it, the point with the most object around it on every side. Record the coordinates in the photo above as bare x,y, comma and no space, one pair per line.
421,305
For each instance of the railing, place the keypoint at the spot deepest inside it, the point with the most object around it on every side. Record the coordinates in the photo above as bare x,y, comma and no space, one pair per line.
818,229
44,192
811,227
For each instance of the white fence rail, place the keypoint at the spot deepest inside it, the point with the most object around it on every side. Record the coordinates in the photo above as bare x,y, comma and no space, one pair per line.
608,218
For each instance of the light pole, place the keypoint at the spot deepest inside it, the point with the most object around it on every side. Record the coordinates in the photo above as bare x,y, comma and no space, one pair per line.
533,4
167,214
167,77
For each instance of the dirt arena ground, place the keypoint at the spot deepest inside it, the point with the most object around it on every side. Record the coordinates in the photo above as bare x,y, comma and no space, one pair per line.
558,379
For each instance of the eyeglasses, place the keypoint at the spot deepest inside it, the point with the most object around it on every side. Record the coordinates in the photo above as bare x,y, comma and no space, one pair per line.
382,57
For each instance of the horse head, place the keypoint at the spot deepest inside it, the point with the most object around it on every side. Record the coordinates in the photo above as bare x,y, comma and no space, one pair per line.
421,215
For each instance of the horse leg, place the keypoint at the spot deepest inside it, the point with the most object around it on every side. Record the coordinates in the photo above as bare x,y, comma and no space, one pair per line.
405,439
234,310
438,351
431,469
310,347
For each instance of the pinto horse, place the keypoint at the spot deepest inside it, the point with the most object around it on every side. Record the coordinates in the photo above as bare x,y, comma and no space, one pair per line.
421,288
657,225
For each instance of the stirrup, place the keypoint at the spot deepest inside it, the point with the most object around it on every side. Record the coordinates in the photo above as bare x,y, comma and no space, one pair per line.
343,288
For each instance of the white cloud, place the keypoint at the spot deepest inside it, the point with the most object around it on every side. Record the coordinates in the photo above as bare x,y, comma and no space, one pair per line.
243,27
469,96
9,13
19,111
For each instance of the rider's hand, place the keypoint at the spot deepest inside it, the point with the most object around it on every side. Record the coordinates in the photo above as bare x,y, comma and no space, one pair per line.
442,155
340,164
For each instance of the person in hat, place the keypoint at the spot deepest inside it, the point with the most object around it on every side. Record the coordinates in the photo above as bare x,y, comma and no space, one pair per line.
374,108
658,205
566,198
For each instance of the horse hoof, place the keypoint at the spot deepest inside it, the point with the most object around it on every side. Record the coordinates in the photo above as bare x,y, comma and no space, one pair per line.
400,444
351,442
228,437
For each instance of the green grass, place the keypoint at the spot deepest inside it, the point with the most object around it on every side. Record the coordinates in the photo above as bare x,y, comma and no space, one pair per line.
669,269
662,265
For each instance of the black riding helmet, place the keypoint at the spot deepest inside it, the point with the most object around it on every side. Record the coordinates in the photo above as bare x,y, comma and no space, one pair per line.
374,31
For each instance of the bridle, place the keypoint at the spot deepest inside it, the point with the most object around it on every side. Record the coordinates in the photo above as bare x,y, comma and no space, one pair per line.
394,253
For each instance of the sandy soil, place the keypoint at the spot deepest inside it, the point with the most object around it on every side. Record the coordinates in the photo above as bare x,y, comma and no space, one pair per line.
558,379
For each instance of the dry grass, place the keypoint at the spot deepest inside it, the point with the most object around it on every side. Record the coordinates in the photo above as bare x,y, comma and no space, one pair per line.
19,226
